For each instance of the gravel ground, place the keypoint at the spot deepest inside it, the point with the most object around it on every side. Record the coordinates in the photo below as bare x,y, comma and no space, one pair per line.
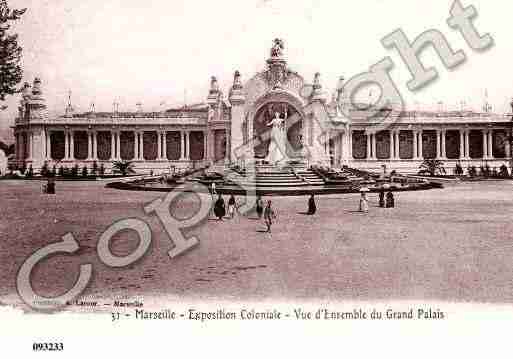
451,244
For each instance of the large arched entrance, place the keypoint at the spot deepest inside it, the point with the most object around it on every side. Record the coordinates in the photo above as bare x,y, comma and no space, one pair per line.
292,125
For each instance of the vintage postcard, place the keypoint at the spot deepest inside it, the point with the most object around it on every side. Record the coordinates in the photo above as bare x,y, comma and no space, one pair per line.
256,178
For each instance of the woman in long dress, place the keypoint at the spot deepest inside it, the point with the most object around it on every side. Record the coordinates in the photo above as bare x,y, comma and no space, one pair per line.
231,206
382,197
219,208
269,216
276,146
312,208
390,200
364,204
259,207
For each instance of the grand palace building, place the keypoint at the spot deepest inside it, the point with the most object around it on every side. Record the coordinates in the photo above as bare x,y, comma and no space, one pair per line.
235,129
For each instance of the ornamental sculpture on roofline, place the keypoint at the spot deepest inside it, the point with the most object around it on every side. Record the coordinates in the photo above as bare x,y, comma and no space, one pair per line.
278,48
277,72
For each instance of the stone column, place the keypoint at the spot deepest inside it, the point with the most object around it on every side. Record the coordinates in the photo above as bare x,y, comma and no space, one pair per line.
141,145
462,144
341,148
490,144
71,145
118,145
89,145
438,144
66,145
421,154
159,145
136,145
415,141
467,144
210,145
42,141
48,145
188,145
164,145
444,149
112,146
182,145
397,144
374,156
95,145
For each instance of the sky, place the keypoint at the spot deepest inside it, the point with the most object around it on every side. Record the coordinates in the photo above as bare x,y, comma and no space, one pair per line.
158,52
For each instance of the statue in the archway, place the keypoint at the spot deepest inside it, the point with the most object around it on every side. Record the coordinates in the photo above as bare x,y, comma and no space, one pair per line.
277,147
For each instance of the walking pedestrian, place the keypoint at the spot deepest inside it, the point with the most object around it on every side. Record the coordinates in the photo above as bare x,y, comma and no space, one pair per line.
219,208
312,208
259,207
382,197
231,206
390,200
364,203
269,216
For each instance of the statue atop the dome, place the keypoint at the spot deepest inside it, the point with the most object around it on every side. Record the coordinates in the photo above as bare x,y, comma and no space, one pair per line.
278,48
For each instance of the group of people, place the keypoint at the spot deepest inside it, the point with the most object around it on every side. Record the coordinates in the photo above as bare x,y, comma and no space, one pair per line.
267,212
220,208
385,201
390,201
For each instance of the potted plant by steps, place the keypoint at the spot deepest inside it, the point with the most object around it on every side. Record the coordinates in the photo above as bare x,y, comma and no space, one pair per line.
432,167
123,167
503,171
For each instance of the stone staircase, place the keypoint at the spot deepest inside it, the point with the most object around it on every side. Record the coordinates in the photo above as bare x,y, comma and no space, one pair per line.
271,176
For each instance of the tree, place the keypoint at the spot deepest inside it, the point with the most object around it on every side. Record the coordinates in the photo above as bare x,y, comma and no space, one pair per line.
432,167
123,167
10,51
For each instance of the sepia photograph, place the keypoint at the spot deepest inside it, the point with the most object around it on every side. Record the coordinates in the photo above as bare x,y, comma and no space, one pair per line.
273,171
